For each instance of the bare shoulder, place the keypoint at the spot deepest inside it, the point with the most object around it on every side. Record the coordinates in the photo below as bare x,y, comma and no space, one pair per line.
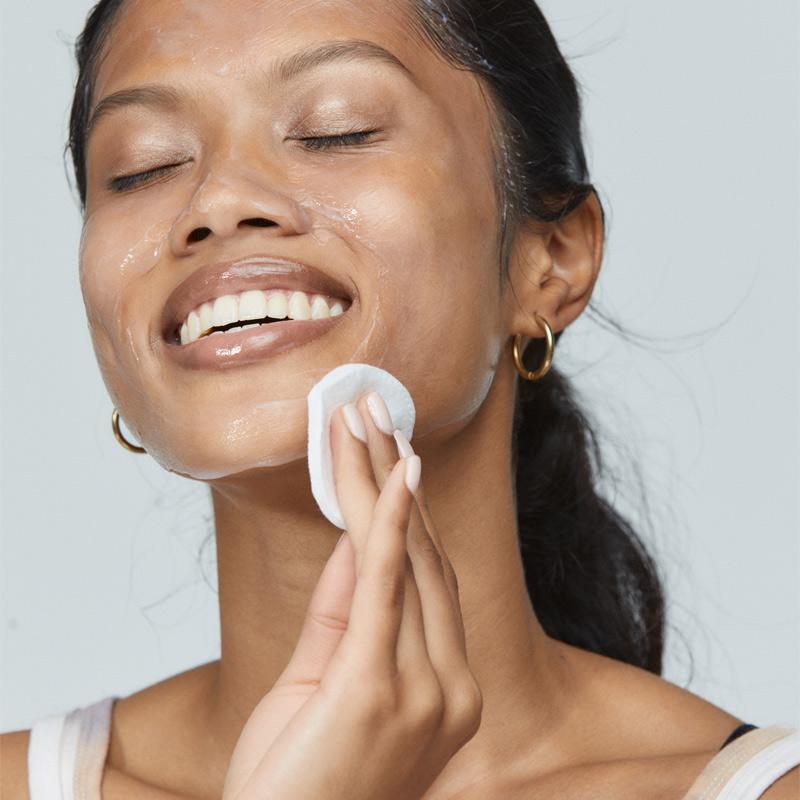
631,734
14,765
133,721
635,714
785,788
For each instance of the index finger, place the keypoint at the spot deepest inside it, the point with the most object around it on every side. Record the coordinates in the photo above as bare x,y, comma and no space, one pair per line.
354,478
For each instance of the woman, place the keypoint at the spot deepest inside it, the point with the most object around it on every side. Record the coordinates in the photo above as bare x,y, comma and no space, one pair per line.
406,183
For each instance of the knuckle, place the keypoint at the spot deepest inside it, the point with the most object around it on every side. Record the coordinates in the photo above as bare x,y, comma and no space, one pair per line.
464,730
395,589
377,702
428,552
396,518
451,575
328,621
466,703
390,586
427,708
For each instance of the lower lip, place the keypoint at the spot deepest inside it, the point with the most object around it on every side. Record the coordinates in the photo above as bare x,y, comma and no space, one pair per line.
237,347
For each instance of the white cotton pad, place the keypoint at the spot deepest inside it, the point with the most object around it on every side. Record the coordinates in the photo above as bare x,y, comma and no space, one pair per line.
341,385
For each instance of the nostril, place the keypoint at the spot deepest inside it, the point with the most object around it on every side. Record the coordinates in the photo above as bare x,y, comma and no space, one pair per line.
258,222
198,234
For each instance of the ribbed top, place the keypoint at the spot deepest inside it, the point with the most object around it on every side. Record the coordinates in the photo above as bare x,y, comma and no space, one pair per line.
67,753
746,767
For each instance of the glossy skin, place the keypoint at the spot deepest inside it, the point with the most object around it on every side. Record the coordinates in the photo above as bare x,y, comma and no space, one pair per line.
408,220
402,218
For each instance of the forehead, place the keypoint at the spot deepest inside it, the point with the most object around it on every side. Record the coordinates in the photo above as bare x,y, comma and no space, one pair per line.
226,38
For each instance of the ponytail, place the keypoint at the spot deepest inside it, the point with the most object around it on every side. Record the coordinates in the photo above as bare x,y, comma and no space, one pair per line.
590,578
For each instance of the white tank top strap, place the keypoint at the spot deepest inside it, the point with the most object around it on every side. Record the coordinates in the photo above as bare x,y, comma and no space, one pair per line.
749,765
67,753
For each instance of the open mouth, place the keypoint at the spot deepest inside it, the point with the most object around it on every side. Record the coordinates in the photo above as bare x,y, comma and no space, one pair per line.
255,308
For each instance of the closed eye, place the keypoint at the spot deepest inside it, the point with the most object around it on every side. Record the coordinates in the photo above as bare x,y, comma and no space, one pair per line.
123,182
338,140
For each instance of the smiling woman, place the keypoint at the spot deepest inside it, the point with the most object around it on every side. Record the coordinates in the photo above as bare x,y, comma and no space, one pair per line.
274,188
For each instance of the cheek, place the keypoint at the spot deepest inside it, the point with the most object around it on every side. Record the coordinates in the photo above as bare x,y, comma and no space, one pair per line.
118,252
427,221
433,275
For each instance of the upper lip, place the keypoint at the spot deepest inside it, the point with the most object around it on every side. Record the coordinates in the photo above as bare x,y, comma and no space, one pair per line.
258,271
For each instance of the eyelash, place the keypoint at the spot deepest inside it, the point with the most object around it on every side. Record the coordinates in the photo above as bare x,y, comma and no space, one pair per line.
341,139
124,182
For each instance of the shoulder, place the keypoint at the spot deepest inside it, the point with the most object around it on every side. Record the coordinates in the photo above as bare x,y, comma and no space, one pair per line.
14,760
643,735
667,777
632,734
785,788
670,778
634,714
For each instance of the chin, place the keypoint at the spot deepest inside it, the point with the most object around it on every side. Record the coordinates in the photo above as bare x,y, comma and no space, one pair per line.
214,449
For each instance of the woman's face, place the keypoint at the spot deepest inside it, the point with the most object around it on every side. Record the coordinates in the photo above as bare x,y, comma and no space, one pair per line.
403,221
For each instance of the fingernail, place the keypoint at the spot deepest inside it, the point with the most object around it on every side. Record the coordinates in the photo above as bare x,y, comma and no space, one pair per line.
380,414
413,469
404,448
354,422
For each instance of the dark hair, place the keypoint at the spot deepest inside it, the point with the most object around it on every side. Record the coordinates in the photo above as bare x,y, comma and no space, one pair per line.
591,580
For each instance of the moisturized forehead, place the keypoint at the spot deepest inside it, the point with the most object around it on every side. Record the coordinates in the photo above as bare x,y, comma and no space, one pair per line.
230,38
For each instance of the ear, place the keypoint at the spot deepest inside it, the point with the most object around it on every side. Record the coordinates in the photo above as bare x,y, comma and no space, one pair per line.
553,269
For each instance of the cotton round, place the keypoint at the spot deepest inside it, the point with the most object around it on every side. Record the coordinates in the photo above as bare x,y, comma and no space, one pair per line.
344,384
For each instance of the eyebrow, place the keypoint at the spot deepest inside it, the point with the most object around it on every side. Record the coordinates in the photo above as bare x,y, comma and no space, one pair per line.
161,96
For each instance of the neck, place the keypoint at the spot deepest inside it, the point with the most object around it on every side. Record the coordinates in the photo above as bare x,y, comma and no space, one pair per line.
272,544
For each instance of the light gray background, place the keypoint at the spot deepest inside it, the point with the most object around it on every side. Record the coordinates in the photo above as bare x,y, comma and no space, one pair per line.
692,133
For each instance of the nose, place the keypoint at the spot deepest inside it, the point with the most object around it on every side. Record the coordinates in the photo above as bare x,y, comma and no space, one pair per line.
224,205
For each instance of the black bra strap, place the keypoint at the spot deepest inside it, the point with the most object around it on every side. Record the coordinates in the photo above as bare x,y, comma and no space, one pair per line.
737,732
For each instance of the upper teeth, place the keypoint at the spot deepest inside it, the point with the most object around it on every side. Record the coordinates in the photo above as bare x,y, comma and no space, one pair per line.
256,304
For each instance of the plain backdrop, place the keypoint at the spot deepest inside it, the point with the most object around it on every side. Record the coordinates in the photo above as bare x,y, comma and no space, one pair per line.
691,120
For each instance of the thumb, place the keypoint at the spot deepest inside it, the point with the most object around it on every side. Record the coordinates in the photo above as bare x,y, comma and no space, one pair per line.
326,617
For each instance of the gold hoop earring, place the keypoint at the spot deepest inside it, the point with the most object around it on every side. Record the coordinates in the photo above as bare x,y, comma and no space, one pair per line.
548,356
120,438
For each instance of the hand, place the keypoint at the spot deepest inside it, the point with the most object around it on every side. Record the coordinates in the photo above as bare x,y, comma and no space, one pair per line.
378,695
